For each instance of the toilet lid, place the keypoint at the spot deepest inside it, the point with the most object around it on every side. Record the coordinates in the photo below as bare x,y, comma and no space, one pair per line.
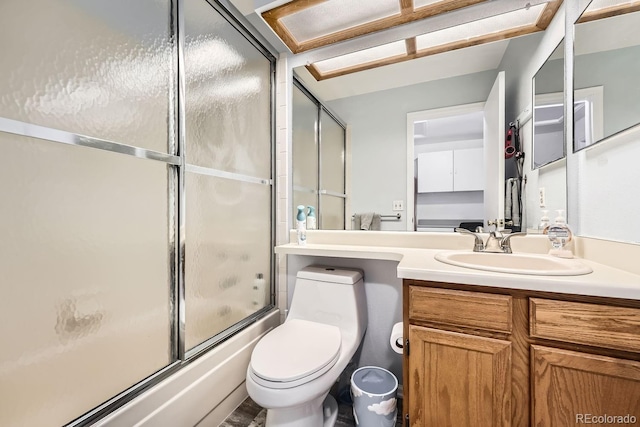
296,349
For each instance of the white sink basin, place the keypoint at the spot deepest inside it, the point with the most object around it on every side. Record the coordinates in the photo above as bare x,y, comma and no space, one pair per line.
541,265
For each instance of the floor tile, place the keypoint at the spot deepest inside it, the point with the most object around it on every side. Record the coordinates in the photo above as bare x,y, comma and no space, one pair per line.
249,414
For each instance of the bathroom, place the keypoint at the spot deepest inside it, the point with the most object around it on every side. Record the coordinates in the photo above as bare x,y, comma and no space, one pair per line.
141,211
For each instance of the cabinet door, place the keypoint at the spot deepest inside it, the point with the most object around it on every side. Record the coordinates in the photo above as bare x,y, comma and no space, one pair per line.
458,380
468,170
571,388
435,172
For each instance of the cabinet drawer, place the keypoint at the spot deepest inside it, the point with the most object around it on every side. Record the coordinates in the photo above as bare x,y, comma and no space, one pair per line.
461,308
582,323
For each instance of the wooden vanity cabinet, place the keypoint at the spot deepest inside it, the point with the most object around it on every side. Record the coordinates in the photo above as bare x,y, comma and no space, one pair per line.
567,385
480,356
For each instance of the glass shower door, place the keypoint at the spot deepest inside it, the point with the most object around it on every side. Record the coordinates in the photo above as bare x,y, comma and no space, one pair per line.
85,311
228,185
305,151
332,191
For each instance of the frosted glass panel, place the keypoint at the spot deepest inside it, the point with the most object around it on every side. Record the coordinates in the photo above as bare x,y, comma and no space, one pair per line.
332,212
362,57
331,16
228,243
597,5
305,149
417,4
93,67
331,154
228,96
85,262
494,24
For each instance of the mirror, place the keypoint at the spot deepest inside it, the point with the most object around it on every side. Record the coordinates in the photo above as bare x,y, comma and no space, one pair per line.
548,111
375,103
605,174
606,70
543,137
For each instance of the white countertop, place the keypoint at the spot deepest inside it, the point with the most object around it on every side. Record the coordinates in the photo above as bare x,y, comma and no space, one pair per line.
419,263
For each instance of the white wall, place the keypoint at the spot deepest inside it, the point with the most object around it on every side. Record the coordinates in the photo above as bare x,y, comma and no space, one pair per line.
378,127
458,205
607,179
284,172
442,146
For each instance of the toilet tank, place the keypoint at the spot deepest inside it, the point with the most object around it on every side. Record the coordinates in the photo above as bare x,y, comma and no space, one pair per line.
330,295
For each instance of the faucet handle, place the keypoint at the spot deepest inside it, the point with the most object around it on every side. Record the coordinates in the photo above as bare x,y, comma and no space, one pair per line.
505,243
478,246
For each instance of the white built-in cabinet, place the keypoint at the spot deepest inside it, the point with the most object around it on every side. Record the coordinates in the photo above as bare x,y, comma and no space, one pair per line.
451,170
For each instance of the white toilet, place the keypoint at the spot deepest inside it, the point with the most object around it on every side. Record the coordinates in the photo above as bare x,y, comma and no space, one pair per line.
293,367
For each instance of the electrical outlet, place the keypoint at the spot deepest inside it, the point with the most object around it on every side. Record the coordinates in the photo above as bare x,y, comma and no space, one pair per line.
397,205
543,202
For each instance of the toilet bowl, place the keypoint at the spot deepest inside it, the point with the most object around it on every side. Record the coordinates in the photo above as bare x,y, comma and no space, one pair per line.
293,367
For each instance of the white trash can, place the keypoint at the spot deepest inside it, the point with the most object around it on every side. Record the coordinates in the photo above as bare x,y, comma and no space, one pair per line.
373,391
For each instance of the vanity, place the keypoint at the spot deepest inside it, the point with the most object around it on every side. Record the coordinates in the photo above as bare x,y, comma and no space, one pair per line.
508,357
505,349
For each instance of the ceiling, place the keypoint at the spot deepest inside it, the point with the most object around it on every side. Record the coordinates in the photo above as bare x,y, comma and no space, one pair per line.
309,24
462,19
460,60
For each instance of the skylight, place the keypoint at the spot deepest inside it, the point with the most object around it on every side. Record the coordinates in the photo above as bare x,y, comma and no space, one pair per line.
333,16
367,56
309,24
498,27
598,9
481,28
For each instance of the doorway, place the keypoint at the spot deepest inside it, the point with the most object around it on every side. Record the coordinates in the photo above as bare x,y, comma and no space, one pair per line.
455,164
448,168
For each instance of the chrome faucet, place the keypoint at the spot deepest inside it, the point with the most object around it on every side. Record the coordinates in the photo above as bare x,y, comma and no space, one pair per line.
496,242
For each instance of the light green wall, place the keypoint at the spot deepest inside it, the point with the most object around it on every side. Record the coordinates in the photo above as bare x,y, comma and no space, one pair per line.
378,123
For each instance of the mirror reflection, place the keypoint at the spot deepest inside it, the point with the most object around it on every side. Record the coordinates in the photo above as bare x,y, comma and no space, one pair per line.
375,105
606,70
318,162
548,110
448,168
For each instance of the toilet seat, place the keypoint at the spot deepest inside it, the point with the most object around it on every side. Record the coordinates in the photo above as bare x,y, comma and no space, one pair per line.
295,353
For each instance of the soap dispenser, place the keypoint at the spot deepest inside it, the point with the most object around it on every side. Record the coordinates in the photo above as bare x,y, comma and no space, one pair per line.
311,218
559,235
301,227
544,222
